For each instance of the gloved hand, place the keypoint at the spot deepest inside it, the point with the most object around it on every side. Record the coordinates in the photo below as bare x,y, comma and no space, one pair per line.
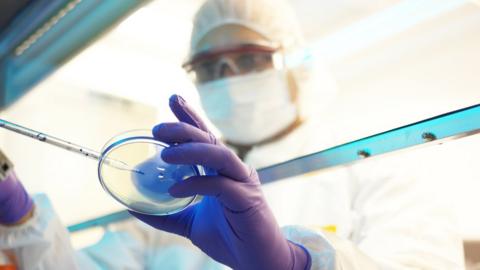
233,223
15,203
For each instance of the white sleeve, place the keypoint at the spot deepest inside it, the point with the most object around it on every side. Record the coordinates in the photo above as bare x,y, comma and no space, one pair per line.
44,243
40,243
400,221
327,251
404,217
164,250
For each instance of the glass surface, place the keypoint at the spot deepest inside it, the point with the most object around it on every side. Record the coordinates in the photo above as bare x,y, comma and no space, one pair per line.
144,188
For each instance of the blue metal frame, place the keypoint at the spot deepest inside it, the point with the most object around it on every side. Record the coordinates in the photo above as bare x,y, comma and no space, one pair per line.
101,221
66,37
453,125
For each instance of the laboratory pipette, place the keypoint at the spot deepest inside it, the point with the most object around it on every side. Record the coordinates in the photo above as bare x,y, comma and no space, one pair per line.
65,145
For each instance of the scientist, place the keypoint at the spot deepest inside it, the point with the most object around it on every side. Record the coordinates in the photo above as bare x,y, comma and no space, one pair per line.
361,218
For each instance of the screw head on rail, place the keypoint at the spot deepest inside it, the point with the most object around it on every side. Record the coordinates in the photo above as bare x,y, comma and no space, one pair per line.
363,153
428,137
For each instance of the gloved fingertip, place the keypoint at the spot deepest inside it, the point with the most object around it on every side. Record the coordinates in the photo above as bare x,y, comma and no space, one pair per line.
177,99
166,153
155,130
173,98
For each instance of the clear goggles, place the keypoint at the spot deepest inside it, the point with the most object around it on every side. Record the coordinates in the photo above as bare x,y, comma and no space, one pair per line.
233,61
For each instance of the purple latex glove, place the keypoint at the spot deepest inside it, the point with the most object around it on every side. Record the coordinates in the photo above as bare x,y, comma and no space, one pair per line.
15,202
233,223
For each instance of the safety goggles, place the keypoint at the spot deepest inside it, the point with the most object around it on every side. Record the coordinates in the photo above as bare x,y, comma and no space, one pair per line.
232,61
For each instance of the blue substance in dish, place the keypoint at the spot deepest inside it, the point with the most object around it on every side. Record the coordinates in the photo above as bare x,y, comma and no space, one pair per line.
158,176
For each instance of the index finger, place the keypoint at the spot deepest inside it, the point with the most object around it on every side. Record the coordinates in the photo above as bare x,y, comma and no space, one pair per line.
217,157
185,113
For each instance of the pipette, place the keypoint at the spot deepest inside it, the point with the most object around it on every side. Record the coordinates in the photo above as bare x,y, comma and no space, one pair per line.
65,145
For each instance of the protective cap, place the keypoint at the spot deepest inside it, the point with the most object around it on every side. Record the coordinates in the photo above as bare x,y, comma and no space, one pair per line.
273,19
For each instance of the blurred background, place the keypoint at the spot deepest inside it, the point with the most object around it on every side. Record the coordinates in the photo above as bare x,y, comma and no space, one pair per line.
394,61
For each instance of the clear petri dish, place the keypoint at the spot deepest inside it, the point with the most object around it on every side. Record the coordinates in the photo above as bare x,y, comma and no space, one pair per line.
142,181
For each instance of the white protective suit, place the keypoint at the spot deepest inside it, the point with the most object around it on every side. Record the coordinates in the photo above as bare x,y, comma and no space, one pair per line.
382,221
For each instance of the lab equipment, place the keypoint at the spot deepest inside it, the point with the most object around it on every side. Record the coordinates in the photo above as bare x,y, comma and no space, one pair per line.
145,192
142,188
233,223
64,145
242,59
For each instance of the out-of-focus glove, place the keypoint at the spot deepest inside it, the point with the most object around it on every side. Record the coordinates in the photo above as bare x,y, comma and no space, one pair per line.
15,203
233,223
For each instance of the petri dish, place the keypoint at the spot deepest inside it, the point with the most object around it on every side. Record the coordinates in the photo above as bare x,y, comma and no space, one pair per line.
142,184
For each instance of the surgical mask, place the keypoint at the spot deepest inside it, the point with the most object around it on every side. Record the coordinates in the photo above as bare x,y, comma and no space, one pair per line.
250,108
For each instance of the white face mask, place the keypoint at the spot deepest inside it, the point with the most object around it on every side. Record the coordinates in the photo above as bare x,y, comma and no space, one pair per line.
250,108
